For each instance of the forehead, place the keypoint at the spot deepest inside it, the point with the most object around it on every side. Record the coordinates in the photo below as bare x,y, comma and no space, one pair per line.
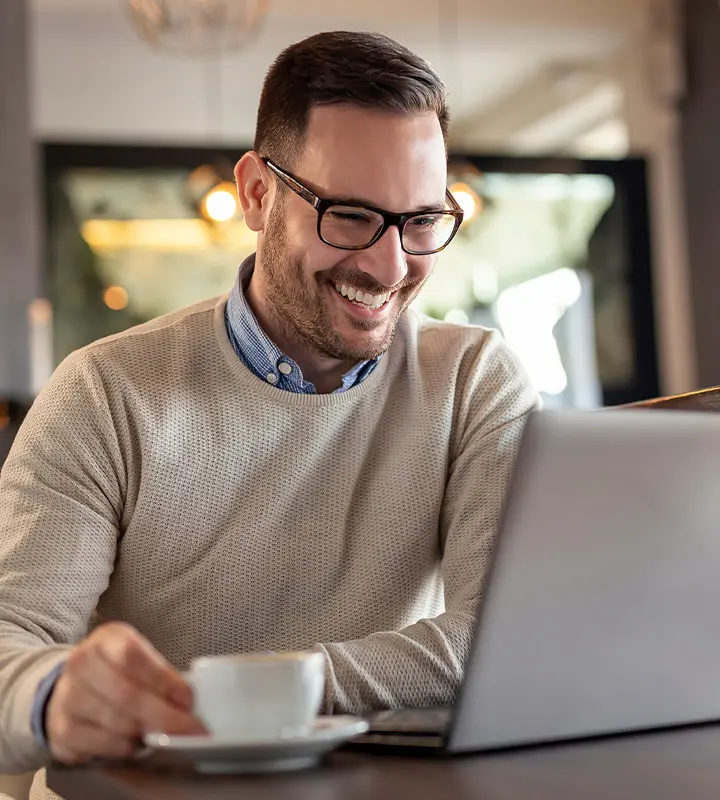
393,160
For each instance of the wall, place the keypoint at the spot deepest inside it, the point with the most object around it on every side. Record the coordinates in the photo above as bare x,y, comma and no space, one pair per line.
20,275
95,80
701,159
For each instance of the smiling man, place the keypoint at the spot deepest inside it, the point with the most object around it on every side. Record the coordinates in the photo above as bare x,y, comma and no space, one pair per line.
335,272
305,463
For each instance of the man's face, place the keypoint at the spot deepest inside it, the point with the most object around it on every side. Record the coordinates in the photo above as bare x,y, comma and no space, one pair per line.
392,161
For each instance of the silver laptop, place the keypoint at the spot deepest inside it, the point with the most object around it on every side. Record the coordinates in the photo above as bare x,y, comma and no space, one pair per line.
602,609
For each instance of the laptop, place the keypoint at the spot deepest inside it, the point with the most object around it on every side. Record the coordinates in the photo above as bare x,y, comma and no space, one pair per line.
601,612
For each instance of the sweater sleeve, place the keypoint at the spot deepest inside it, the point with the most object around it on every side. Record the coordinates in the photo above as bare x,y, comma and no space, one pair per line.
422,665
61,493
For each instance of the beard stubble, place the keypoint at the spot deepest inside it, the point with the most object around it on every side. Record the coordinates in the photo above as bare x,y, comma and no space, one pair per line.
299,310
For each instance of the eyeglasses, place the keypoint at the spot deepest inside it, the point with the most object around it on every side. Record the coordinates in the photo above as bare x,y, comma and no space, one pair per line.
354,226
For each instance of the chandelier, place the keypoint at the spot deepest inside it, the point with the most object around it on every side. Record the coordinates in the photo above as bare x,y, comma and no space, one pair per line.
197,27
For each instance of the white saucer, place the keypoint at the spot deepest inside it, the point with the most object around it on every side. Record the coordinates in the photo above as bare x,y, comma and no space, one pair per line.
231,754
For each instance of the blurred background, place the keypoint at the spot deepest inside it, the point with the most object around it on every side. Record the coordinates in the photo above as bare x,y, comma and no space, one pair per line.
583,147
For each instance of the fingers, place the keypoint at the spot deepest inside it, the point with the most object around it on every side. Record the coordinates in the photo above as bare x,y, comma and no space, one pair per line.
119,671
115,686
135,658
98,682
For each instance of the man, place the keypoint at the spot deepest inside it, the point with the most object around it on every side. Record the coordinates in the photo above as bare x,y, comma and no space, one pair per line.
308,464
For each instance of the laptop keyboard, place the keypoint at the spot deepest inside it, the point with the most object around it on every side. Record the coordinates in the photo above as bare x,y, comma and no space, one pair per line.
411,720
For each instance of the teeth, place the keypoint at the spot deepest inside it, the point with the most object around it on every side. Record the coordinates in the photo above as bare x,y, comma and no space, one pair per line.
367,299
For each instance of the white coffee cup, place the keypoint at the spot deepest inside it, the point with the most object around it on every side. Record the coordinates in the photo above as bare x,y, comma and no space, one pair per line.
259,696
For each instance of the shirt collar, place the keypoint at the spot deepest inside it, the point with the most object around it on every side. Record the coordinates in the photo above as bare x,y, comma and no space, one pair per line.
261,355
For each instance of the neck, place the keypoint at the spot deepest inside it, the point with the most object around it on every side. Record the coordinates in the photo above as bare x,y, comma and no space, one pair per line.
323,371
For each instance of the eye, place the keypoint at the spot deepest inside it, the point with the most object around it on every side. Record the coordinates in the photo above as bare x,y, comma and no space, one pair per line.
348,216
424,222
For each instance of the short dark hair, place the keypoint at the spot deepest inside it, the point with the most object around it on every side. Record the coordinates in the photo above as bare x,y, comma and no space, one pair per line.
363,69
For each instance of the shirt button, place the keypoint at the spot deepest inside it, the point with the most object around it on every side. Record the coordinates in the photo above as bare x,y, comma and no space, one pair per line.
285,368
271,377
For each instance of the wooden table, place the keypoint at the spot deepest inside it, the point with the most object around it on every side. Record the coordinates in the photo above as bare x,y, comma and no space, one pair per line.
671,764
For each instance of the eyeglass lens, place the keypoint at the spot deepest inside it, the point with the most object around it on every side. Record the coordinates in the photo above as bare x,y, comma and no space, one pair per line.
349,226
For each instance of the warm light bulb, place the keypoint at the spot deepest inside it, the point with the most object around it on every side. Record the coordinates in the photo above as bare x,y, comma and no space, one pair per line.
467,200
116,298
221,204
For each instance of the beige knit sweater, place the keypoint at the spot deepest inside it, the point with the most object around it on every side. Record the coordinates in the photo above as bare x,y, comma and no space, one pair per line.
156,480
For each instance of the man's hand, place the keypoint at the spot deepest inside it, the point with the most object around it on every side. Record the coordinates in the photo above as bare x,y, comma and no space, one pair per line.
114,687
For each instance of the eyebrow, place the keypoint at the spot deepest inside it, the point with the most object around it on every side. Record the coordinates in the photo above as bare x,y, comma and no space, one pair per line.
360,201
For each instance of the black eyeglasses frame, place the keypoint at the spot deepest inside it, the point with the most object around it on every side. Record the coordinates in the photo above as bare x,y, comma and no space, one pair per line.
322,204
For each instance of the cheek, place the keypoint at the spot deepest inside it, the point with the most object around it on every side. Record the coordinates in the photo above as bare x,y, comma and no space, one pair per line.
305,246
321,261
317,261
420,267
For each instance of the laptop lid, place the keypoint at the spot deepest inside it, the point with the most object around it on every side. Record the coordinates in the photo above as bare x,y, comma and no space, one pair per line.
602,609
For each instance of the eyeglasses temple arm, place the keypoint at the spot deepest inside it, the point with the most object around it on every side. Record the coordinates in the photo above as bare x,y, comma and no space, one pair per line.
293,184
453,202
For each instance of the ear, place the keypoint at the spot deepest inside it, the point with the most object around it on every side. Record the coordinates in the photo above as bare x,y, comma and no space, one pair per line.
253,188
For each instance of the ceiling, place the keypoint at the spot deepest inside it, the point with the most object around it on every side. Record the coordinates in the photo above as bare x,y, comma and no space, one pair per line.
94,80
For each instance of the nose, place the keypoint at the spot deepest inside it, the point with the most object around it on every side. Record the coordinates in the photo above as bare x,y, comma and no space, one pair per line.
386,261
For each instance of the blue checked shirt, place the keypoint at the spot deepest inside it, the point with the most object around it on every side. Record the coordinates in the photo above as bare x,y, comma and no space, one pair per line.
262,356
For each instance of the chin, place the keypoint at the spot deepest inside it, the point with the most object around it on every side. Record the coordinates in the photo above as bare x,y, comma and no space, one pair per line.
362,349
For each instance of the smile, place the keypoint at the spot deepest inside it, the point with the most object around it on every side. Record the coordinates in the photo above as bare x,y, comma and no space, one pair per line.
362,298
